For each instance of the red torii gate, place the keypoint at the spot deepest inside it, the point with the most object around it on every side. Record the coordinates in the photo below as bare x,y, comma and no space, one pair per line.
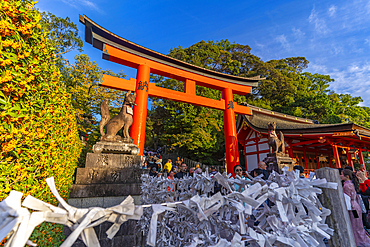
122,51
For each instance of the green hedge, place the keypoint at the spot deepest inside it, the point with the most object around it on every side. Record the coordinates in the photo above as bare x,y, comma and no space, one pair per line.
38,133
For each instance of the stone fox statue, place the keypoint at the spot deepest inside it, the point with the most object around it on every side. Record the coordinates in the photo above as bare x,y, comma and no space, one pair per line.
276,143
122,120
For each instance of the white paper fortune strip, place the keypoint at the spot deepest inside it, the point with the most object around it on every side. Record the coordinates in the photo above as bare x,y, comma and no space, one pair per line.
190,214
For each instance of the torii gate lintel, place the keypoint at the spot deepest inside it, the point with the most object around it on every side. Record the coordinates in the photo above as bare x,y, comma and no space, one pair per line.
121,51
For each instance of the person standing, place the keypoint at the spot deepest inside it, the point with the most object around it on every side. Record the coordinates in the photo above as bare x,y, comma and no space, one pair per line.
198,171
168,166
212,171
171,176
178,162
238,170
217,186
262,165
361,237
182,173
191,172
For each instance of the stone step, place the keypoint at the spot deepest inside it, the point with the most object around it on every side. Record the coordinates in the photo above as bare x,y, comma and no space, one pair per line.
97,190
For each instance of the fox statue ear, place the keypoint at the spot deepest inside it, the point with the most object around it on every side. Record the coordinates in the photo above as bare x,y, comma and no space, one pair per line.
135,94
129,92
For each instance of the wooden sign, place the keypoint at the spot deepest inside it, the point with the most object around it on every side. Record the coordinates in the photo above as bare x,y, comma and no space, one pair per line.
347,133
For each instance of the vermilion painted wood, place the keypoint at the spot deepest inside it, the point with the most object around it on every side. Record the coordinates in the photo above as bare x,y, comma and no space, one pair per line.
349,158
146,66
240,109
361,158
165,93
190,87
231,141
188,97
118,83
336,156
330,161
137,130
303,143
125,58
317,160
305,159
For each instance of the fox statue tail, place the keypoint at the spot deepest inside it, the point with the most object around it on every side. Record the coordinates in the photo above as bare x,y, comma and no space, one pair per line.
281,138
105,115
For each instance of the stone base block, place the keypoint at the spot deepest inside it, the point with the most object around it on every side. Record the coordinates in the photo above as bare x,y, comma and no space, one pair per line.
115,147
103,202
104,190
108,175
277,162
112,161
128,235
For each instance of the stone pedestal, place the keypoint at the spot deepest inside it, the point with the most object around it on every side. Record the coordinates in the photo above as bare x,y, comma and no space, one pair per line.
115,148
106,181
276,162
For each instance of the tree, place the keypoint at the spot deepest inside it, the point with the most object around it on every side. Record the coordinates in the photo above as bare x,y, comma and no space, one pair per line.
198,132
38,132
62,33
81,80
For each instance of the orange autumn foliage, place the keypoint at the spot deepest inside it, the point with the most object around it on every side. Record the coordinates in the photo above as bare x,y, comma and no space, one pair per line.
38,129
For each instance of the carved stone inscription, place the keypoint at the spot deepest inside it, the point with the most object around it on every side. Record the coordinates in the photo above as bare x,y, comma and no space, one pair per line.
102,160
107,176
112,161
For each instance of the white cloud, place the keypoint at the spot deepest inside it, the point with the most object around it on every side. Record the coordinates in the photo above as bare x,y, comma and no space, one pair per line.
78,4
298,34
259,45
332,10
319,23
367,7
90,4
71,3
352,15
283,41
335,49
318,68
367,41
353,80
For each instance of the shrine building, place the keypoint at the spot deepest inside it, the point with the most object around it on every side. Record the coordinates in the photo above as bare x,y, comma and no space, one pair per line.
310,144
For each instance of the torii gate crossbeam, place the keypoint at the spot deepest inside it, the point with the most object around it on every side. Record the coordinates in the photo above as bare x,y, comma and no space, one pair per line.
121,51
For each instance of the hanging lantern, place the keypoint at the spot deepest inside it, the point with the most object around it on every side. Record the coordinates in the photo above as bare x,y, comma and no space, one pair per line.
322,158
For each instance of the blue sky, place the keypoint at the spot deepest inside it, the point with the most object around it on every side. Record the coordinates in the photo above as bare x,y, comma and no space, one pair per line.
333,35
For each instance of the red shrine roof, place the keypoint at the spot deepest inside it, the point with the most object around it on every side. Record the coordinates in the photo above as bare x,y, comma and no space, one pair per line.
291,125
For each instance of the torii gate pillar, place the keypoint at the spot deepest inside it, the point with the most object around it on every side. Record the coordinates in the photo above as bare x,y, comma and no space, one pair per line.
231,141
140,109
